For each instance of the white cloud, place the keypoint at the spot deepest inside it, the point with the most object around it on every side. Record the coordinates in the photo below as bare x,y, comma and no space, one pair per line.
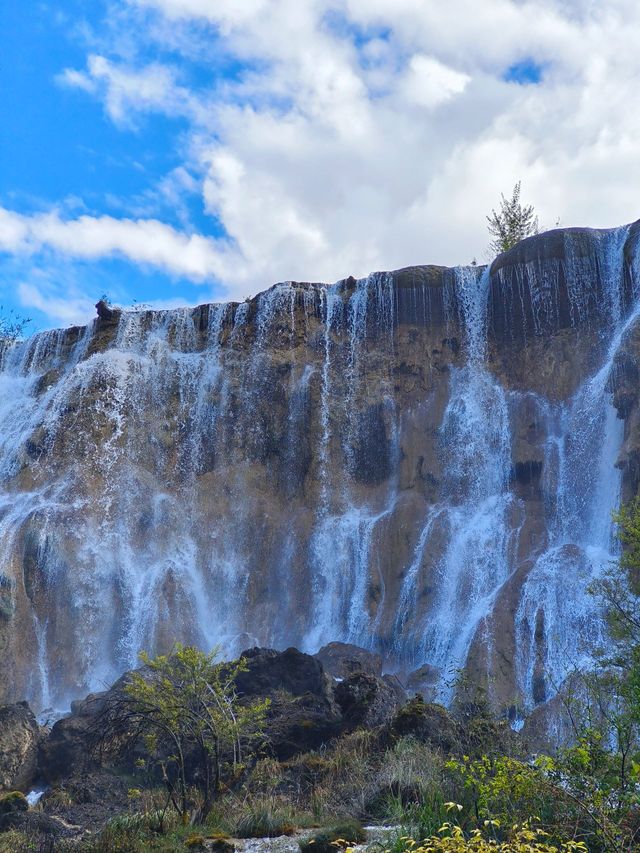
61,309
365,134
144,241
127,91
429,82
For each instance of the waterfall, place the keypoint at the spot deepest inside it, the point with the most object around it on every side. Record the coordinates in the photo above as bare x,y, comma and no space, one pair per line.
423,463
557,623
466,545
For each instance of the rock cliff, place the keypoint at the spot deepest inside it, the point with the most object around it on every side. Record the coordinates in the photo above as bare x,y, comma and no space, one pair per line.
422,463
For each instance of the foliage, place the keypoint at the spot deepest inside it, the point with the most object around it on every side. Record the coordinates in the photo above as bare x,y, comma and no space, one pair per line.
512,223
524,838
183,707
12,326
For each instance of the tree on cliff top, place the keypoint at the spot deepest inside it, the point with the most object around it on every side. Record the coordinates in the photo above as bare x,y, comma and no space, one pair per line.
512,223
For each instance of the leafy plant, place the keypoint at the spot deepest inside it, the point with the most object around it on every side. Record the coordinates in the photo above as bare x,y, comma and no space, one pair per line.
184,709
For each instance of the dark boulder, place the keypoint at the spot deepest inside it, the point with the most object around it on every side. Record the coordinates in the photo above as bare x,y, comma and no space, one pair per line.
269,671
303,714
365,701
20,736
14,801
429,723
342,659
424,680
38,827
298,724
69,747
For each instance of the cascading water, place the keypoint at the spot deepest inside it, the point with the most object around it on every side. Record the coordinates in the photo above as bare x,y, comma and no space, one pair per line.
467,541
421,462
557,624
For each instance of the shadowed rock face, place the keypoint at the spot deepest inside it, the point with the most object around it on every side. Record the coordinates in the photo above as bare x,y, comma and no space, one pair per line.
20,737
422,463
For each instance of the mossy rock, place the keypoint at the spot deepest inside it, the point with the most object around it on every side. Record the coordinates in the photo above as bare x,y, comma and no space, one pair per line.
429,723
330,839
14,801
219,843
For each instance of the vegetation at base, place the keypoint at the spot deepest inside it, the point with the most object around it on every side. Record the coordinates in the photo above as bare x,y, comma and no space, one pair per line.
327,839
525,838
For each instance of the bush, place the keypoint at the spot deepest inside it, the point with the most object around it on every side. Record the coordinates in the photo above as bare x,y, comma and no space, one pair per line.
521,839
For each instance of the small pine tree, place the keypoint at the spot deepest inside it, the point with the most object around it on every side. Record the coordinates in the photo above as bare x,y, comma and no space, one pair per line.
512,223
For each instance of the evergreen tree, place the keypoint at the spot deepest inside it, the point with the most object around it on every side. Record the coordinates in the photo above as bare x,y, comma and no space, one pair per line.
512,223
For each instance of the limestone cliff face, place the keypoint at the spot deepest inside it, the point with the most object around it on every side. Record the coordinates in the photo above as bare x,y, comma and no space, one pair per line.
422,463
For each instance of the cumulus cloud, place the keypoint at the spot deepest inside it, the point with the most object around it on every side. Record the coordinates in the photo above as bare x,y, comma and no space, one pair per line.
144,241
363,134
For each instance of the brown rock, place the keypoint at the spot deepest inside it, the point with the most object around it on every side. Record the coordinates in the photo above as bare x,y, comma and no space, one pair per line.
20,736
342,659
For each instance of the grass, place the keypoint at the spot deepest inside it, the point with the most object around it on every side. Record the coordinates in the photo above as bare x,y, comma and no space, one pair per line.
328,839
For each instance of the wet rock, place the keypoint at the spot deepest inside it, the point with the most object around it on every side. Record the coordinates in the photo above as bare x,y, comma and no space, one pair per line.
342,659
69,747
20,736
105,311
370,458
424,680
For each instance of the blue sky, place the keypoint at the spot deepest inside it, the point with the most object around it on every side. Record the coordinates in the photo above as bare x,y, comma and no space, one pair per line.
59,149
179,151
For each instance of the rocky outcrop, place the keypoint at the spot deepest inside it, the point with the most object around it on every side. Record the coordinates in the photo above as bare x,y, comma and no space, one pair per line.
365,700
270,672
20,736
428,723
307,710
343,659
69,747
